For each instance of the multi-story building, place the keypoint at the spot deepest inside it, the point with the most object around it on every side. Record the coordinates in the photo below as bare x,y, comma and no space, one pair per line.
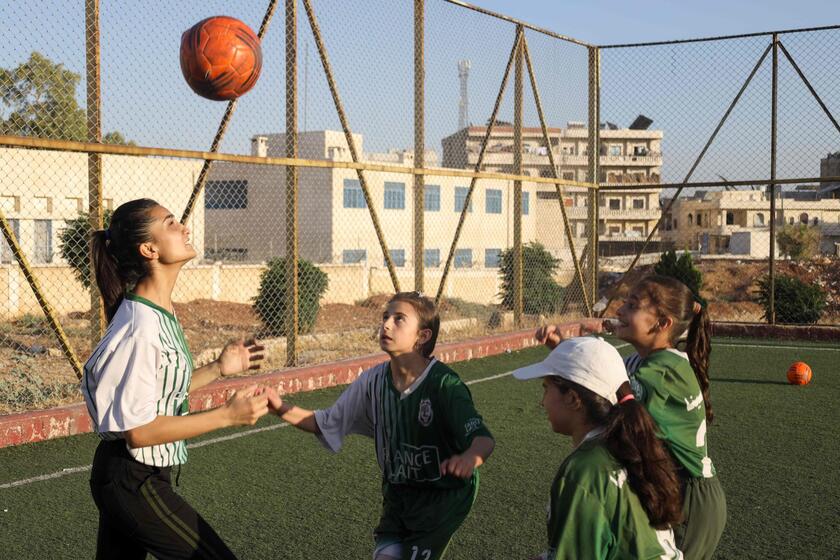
246,212
830,167
626,156
41,190
712,222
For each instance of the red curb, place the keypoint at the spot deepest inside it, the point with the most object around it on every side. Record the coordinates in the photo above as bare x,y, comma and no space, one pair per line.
40,425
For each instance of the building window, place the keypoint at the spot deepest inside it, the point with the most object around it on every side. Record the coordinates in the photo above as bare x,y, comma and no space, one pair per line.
615,204
638,203
675,223
461,198
463,258
492,258
394,196
493,201
691,219
397,256
431,198
758,220
615,150
431,258
526,203
43,241
568,175
6,255
615,230
353,256
226,195
730,218
353,195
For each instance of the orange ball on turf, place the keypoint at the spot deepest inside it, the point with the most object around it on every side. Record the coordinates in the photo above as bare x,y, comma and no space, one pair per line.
221,58
799,373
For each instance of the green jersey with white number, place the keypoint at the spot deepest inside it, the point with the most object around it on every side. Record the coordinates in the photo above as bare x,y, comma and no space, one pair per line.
668,387
414,430
595,514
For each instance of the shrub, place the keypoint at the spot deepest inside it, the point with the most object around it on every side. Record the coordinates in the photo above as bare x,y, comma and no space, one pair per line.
271,304
798,241
541,294
682,268
74,245
795,301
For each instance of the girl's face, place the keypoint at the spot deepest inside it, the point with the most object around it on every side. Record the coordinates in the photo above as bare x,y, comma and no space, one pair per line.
562,407
400,332
170,239
638,323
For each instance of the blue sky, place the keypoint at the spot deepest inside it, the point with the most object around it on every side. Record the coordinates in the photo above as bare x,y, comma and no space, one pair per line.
684,89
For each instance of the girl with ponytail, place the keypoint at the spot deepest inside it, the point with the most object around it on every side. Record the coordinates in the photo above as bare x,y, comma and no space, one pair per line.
659,315
136,386
617,495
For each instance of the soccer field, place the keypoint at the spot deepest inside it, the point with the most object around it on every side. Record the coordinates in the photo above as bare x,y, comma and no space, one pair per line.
274,492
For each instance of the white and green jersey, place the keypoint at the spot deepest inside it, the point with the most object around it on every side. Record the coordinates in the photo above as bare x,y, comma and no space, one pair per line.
595,514
665,382
414,431
141,369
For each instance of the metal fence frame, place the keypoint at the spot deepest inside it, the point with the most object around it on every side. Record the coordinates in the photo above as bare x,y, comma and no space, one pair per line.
585,262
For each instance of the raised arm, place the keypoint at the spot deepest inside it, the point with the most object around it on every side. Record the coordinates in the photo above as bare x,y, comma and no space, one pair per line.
243,408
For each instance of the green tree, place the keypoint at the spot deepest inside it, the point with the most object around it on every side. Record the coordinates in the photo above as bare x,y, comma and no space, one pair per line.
540,292
681,268
794,301
39,99
798,241
74,245
271,304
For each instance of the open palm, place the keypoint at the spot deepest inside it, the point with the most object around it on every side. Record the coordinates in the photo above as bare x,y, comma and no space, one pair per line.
240,355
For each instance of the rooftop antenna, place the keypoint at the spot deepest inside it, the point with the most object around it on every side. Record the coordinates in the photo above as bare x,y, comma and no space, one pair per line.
463,104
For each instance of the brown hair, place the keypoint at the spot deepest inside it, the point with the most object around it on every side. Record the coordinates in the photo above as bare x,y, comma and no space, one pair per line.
426,312
117,262
671,298
630,435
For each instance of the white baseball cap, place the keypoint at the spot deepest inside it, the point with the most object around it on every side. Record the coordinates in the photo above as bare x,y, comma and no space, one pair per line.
588,361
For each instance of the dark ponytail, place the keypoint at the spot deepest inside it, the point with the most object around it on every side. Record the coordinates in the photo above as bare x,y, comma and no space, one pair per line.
698,346
117,262
630,435
671,298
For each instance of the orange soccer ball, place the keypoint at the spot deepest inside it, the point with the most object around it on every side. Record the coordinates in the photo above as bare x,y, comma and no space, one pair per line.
221,58
799,373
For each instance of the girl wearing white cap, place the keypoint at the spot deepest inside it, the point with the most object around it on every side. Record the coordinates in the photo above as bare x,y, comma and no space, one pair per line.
617,494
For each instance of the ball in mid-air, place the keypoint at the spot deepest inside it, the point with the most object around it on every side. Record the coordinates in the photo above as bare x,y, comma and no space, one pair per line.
221,58
799,373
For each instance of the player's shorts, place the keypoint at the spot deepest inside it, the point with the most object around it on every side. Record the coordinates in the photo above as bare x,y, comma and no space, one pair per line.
704,510
422,520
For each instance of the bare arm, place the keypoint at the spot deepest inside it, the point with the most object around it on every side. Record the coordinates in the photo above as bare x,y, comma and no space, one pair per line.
243,408
205,375
463,465
298,417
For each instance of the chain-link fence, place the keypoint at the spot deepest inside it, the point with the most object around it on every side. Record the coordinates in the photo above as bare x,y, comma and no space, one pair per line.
436,146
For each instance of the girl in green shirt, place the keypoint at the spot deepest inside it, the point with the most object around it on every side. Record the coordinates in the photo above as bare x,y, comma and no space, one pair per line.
617,494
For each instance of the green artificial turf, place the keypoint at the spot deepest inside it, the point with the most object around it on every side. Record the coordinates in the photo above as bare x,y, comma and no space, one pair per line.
279,494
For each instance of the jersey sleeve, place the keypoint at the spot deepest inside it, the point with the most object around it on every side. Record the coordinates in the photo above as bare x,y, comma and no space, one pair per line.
350,414
125,395
464,421
577,525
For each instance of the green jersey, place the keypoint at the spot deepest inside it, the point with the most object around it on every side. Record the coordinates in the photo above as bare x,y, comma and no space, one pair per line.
594,514
414,431
666,384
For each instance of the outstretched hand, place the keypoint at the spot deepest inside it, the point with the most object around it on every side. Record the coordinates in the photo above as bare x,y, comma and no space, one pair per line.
552,335
247,406
240,355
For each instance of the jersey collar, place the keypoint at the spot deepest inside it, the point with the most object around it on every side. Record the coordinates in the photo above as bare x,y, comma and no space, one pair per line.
413,387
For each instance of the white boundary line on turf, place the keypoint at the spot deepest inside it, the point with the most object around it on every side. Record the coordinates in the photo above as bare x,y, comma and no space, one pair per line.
774,347
85,468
